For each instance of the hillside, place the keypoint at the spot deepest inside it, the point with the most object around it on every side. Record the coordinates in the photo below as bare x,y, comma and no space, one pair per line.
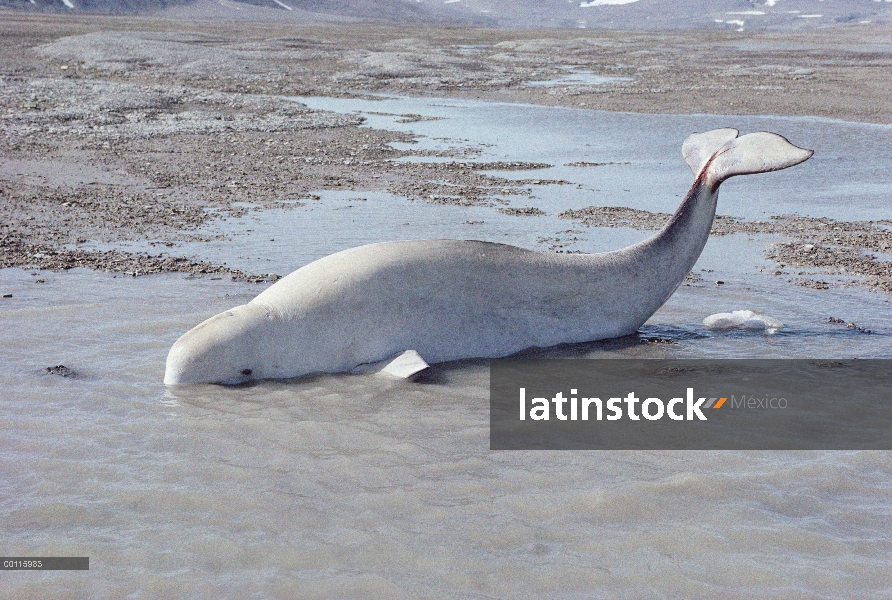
724,15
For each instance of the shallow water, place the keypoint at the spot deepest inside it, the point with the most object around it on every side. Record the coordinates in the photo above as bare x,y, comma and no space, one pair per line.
575,77
357,486
848,178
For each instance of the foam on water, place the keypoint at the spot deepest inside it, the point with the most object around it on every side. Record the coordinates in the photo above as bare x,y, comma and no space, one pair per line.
362,486
743,319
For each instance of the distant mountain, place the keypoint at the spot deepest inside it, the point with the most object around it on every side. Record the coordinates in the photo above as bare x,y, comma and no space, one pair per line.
97,6
389,11
733,15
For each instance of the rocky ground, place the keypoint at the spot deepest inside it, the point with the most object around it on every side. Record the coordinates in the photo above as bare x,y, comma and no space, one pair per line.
121,129
835,247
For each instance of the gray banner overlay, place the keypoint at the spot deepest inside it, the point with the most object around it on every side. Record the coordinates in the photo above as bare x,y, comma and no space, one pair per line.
800,404
45,563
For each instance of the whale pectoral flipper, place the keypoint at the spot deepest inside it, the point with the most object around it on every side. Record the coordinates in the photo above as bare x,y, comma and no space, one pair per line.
405,366
698,148
755,153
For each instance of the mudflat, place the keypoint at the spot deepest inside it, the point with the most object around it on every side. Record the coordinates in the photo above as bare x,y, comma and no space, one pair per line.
130,129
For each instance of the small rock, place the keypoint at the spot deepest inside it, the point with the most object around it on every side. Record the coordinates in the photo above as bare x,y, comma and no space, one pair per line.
656,340
529,211
60,370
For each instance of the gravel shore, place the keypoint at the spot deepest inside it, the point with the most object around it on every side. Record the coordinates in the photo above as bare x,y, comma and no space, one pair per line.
139,129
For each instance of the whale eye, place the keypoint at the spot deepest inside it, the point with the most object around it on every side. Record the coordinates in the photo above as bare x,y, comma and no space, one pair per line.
246,372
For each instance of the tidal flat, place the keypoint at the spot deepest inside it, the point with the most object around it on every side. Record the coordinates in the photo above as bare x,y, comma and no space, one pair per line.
154,173
123,129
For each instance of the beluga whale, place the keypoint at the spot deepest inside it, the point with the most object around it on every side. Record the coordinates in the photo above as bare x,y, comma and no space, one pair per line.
439,300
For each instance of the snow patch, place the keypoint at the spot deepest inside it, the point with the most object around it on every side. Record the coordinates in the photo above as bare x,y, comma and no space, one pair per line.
742,319
605,3
283,5
68,3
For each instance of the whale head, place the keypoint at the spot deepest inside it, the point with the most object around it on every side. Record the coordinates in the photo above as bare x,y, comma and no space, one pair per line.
223,349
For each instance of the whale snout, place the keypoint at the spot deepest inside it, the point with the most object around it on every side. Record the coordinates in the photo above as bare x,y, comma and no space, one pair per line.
222,349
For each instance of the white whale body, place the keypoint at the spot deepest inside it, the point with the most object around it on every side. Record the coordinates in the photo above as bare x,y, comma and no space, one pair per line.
449,299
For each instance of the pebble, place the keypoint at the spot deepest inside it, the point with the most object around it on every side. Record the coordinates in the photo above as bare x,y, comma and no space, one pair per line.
60,370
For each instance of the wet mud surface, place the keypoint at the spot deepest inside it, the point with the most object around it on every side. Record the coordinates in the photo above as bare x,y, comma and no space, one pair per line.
121,130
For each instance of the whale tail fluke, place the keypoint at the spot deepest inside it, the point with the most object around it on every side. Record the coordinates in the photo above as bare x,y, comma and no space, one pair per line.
755,153
700,147
726,155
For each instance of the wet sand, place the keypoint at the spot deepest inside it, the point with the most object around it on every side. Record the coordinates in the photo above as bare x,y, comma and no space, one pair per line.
140,129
